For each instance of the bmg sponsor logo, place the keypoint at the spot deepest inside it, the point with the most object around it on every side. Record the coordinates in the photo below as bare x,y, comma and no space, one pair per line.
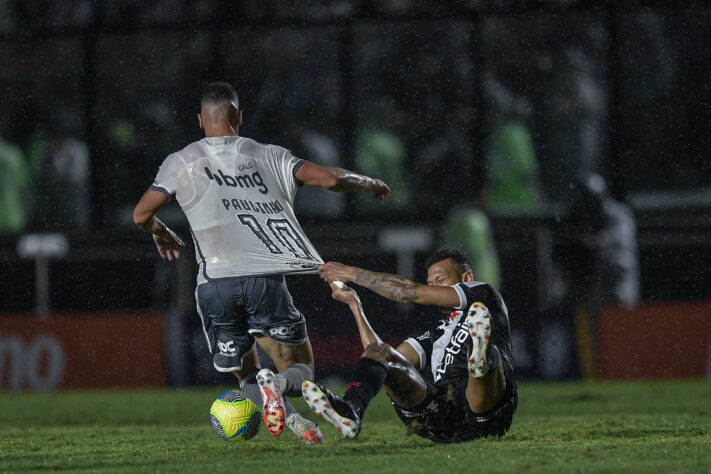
243,181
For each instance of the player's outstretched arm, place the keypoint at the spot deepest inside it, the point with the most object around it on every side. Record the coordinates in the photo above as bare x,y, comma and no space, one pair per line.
350,297
393,287
144,216
341,180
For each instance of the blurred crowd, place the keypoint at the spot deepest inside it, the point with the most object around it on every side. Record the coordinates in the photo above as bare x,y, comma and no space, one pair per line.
116,14
464,116
478,124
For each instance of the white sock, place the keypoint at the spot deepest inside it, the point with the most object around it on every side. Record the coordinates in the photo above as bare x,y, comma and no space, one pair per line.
292,378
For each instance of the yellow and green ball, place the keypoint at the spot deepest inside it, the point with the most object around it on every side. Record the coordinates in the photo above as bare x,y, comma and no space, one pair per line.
234,417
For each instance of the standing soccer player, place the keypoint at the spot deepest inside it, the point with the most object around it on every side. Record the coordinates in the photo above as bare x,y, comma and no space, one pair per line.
238,197
454,382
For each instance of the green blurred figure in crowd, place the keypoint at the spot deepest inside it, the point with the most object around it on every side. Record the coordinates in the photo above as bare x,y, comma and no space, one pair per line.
467,227
381,153
380,149
14,177
512,168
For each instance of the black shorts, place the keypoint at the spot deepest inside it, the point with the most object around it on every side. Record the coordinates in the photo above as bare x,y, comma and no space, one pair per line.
445,417
232,310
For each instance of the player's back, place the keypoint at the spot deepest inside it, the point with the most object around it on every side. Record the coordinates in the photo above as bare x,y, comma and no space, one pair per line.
238,197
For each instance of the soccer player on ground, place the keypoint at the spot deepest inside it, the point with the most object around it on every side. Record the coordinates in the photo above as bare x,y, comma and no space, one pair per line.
238,197
454,382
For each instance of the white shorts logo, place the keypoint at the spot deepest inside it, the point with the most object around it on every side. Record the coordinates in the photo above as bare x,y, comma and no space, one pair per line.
282,331
227,348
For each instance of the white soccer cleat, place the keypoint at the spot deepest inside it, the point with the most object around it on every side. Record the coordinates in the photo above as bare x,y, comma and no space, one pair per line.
306,430
478,324
332,408
273,409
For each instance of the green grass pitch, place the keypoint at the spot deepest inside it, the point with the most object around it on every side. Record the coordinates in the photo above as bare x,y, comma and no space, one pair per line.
559,427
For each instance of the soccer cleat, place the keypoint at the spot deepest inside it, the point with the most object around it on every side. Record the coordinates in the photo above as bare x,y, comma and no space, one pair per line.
305,429
313,437
333,408
273,410
478,324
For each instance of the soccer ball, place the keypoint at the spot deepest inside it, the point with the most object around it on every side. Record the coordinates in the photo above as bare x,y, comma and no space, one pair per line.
234,417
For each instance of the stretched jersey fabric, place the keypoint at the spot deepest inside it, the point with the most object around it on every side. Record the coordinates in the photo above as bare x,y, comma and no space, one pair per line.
238,196
444,349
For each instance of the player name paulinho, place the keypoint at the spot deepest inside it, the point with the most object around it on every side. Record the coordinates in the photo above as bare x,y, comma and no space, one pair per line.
272,207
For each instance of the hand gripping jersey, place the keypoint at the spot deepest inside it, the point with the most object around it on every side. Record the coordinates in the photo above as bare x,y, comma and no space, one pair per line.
445,348
238,196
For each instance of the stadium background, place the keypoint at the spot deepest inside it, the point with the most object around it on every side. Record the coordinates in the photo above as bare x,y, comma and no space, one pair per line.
614,88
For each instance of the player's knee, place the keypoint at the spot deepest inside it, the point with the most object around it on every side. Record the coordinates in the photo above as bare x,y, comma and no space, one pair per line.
378,351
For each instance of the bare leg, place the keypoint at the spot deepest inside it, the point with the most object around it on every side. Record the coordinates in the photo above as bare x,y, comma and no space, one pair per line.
294,364
403,383
486,385
286,356
250,365
485,393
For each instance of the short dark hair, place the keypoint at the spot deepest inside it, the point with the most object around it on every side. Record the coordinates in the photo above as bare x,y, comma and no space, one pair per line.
457,256
219,92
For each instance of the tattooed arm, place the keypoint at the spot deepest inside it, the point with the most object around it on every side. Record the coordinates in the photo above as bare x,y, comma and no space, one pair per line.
393,287
341,180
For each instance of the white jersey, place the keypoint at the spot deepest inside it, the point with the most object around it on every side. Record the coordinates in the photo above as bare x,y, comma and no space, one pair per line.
238,196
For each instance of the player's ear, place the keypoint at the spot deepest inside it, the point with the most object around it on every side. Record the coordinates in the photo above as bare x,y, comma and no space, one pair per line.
200,121
468,276
234,116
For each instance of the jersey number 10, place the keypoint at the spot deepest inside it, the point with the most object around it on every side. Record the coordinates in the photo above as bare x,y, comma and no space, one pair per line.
283,232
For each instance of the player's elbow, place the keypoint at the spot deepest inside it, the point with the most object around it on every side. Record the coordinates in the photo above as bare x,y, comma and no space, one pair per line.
140,218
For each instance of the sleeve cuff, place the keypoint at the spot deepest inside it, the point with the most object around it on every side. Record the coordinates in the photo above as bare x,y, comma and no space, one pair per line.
462,296
295,169
420,351
155,187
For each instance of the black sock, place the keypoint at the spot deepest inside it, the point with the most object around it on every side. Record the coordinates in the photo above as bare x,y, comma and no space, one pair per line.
367,378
